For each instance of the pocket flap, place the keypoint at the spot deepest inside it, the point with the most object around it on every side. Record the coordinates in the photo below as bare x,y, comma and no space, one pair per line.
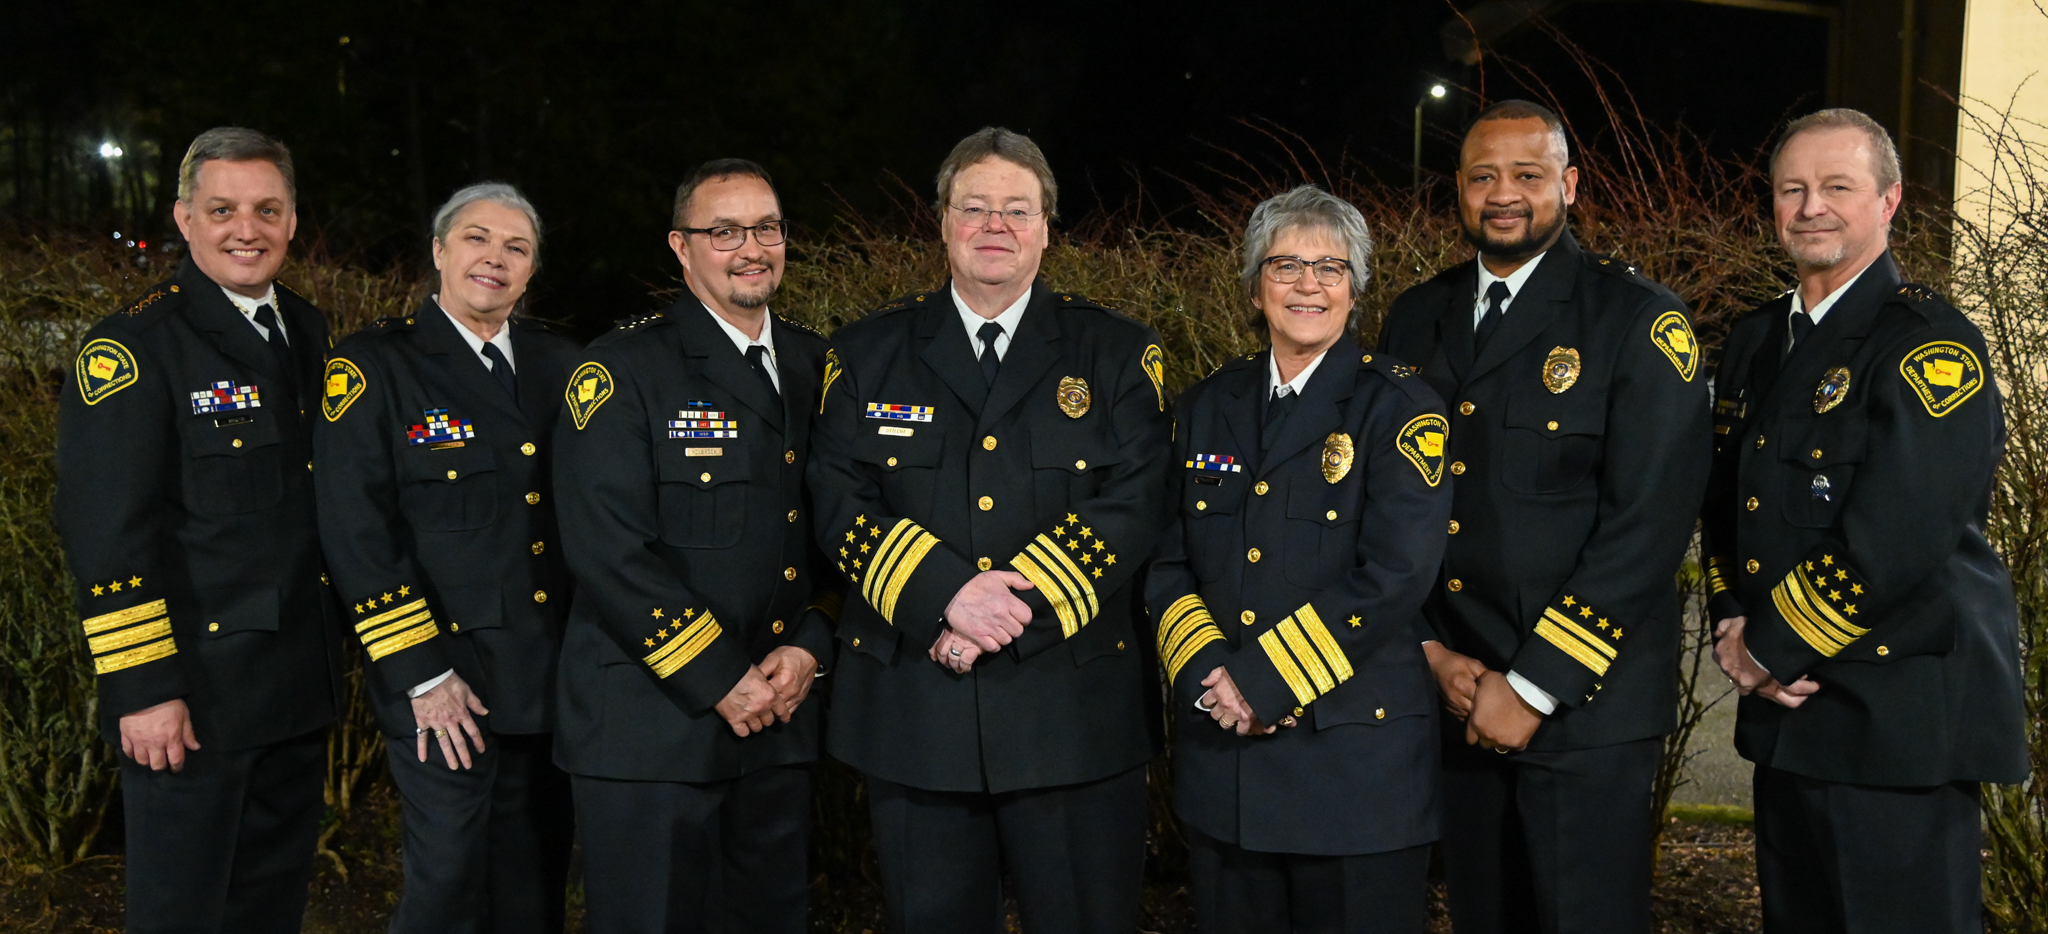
680,463
230,434
246,609
1818,442
421,462
869,636
1572,412
1325,504
1211,493
892,451
1075,452
1376,696
472,608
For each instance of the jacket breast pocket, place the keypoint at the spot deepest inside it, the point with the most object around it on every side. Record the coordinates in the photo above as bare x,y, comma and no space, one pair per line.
1551,443
448,490
1069,464
907,468
703,500
1209,505
232,466
1819,459
1322,530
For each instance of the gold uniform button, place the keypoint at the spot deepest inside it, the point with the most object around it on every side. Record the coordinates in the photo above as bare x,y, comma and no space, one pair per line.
1083,465
776,627
1551,425
1759,442
984,563
454,627
892,462
1248,617
1751,566
1331,515
1252,556
1119,645
1261,488
1201,504
1454,585
533,499
540,596
1884,650
789,574
309,466
1466,408
988,443
323,577
1454,526
987,503
237,442
1751,505
1379,713
451,475
856,642
792,515
1365,359
704,477
539,547
789,457
1299,712
1458,467
1816,453
212,627
528,449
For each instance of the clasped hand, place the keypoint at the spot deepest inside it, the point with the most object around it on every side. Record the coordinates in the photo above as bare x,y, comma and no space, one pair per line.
982,618
1495,714
769,691
1732,653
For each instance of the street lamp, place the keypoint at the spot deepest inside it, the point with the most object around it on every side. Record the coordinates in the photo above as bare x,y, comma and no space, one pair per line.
109,151
1436,92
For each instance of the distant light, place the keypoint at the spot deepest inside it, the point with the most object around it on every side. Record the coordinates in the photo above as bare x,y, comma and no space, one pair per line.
131,243
1436,90
110,151
117,235
344,40
142,244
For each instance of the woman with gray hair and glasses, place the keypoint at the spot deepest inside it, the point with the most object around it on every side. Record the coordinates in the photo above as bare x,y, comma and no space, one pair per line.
431,465
1288,594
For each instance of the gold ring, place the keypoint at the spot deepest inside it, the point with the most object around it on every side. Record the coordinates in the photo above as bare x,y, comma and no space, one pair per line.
438,732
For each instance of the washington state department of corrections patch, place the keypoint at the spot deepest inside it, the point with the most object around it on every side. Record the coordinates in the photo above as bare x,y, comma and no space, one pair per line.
588,387
832,372
1944,374
1422,442
341,384
1154,362
104,368
1673,335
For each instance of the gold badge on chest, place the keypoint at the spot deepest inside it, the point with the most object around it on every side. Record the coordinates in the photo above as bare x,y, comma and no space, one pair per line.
1337,454
1073,396
1561,369
1833,388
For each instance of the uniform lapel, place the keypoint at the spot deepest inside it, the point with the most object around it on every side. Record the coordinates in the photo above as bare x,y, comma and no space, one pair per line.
1849,320
1548,287
1032,351
231,331
796,384
1317,414
535,393
946,351
1242,414
306,332
434,333
1454,328
723,363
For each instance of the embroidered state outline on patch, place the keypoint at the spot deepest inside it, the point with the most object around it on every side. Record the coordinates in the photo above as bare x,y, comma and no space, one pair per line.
341,385
1153,360
104,367
1944,374
588,387
1422,442
1673,335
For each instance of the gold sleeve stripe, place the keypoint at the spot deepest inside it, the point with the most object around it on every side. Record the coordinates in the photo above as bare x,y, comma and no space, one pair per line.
1333,654
136,656
905,567
1717,576
1572,626
1570,645
828,602
902,550
1802,624
389,615
685,647
1809,592
1081,590
1202,637
132,635
1318,674
1054,593
403,640
120,618
1184,628
386,632
1289,671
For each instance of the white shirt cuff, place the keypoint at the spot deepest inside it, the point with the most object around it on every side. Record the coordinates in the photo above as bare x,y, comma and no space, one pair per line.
1537,697
430,684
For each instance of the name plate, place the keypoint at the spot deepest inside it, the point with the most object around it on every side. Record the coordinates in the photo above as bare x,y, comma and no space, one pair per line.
895,432
703,452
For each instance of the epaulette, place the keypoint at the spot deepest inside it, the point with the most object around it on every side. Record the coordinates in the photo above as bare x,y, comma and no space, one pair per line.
638,321
1396,372
389,321
1605,263
156,294
799,325
1070,299
1916,294
900,303
288,290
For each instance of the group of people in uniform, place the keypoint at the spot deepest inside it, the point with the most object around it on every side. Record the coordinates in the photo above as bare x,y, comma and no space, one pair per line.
1381,598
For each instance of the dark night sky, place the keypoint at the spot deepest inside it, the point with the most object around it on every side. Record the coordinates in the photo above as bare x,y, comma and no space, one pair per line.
597,107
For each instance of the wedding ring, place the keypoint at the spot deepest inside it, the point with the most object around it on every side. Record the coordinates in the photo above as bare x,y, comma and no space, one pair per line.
440,733
1503,750
956,653
419,731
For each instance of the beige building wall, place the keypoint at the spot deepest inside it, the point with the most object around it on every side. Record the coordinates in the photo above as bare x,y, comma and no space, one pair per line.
2005,71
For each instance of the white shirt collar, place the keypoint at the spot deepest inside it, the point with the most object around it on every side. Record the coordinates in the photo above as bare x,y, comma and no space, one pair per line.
247,306
1822,307
742,341
476,344
1300,380
1009,319
1515,281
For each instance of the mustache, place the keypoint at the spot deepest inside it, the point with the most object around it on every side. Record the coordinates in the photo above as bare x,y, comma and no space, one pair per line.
1494,213
1813,226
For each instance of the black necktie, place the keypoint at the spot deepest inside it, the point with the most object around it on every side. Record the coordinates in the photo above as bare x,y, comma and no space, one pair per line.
757,357
286,366
1496,296
1276,412
502,369
1802,325
990,363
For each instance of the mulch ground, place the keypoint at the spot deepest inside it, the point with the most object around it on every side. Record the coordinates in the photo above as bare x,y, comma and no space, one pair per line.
1706,884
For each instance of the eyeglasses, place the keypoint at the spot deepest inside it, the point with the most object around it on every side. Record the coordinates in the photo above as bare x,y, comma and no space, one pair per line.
1014,217
1287,270
730,236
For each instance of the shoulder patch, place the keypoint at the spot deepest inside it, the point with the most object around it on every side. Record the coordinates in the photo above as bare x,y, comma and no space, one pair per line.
832,371
1944,374
342,385
589,386
1154,362
1673,335
104,368
1422,442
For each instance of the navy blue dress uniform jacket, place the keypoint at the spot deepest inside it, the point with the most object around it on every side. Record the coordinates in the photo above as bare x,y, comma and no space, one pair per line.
433,509
1577,438
1302,572
927,474
185,502
1846,520
679,476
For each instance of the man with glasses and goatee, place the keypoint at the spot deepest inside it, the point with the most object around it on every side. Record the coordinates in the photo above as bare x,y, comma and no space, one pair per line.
185,501
990,477
701,614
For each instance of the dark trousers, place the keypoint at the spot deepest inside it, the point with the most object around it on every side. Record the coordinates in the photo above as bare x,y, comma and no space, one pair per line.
1239,891
1854,859
684,858
1075,853
1550,842
226,844
487,847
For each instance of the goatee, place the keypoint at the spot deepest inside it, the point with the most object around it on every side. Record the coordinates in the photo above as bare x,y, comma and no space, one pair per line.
1523,247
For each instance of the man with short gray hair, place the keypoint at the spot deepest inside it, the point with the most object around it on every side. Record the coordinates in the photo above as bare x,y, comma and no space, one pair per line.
185,501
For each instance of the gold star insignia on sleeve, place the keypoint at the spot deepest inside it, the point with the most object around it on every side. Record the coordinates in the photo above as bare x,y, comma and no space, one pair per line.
650,643
657,613
1098,546
1827,559
1834,595
1602,624
1568,601
1059,530
404,590
98,591
875,531
359,608
1073,518
114,587
1841,575
1353,621
662,632
1098,573
1849,610
849,536
1617,632
860,520
689,613
1856,588
1585,612
842,552
1072,544
1809,565
864,546
1109,560
1086,557
1087,532
856,562
135,582
387,596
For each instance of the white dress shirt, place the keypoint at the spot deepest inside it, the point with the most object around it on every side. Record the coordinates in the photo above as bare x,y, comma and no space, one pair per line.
1295,385
1820,308
503,340
1515,280
247,306
1009,319
742,341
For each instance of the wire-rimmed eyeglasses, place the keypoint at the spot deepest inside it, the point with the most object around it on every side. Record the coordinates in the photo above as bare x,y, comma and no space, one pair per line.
728,237
1287,270
978,216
